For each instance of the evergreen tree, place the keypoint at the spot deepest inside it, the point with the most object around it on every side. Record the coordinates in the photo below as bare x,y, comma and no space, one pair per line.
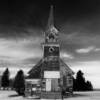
5,79
74,84
89,86
80,81
11,81
19,83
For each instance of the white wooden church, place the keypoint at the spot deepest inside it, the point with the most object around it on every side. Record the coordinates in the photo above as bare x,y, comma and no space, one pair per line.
50,76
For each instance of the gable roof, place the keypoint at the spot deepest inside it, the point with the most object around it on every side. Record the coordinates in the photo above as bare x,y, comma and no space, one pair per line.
36,67
65,68
35,72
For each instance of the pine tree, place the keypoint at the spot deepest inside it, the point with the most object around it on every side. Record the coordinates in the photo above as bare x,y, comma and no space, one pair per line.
19,83
74,84
5,79
89,86
80,81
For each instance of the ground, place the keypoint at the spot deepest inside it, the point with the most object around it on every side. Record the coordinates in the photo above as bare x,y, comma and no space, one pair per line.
11,95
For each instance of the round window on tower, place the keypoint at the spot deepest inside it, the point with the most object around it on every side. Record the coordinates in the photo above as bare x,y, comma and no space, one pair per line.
51,49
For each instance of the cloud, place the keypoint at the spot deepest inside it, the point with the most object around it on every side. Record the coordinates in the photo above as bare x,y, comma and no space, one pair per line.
97,49
22,48
85,50
66,55
88,49
16,53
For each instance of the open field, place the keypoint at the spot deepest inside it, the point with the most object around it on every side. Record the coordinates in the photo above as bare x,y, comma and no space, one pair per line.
11,95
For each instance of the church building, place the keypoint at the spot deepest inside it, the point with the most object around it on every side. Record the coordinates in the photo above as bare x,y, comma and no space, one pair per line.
50,76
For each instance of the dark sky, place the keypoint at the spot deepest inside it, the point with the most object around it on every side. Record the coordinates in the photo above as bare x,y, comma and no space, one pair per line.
34,12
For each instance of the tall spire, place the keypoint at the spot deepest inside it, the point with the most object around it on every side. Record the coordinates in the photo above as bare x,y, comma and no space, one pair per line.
51,33
51,19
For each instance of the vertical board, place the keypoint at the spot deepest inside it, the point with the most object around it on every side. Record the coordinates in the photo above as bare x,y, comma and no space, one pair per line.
48,84
54,85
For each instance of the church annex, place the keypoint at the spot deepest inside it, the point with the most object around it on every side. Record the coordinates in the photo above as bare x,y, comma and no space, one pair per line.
50,76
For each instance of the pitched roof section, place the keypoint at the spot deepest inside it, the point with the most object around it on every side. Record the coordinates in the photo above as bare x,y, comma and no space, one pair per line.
65,68
38,65
35,72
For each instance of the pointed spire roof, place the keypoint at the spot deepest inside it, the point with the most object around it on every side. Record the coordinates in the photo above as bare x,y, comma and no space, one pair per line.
51,18
50,24
50,29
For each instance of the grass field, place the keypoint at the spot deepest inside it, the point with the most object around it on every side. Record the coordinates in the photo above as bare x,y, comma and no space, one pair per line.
12,95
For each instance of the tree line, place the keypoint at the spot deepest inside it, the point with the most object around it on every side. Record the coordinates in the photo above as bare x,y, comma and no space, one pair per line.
18,83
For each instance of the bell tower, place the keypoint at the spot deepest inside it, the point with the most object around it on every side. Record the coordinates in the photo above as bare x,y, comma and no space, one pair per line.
51,53
51,45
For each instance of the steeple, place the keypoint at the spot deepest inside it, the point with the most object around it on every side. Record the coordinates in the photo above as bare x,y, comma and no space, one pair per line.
51,33
50,19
